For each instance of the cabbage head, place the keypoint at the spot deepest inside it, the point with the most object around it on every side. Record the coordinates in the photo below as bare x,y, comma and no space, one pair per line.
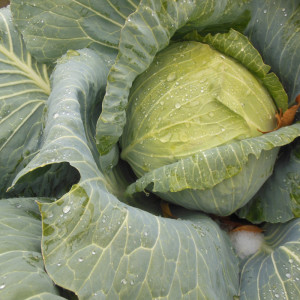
191,100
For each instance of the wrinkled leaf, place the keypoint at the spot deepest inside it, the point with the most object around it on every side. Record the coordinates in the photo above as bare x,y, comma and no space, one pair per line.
22,274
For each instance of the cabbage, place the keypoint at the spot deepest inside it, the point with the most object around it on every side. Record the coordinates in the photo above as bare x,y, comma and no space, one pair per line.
185,113
192,98
75,221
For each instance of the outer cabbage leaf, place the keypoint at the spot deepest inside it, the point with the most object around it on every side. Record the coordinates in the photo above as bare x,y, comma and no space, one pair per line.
88,230
205,180
22,274
143,256
274,31
50,28
24,90
274,271
67,86
147,31
279,198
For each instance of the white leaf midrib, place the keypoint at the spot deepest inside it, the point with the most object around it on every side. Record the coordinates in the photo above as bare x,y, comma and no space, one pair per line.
26,69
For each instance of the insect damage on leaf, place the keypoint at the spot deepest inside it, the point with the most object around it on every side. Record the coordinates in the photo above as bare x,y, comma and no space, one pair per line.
286,118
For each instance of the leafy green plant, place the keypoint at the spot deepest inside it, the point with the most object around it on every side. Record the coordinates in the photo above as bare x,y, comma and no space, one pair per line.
72,211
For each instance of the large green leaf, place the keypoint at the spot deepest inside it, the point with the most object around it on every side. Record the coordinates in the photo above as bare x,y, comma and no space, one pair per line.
274,271
279,198
146,32
22,274
24,89
217,180
51,27
78,83
275,31
88,230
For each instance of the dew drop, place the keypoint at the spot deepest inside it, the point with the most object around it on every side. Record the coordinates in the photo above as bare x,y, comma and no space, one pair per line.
124,281
80,259
93,252
177,105
2,286
276,295
66,209
265,11
288,275
291,261
55,116
145,233
171,76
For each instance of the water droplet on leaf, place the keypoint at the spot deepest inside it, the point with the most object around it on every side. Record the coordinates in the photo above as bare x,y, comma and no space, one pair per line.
171,76
66,209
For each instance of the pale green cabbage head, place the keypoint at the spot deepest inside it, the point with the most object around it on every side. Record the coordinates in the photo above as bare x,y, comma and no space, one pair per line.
192,98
